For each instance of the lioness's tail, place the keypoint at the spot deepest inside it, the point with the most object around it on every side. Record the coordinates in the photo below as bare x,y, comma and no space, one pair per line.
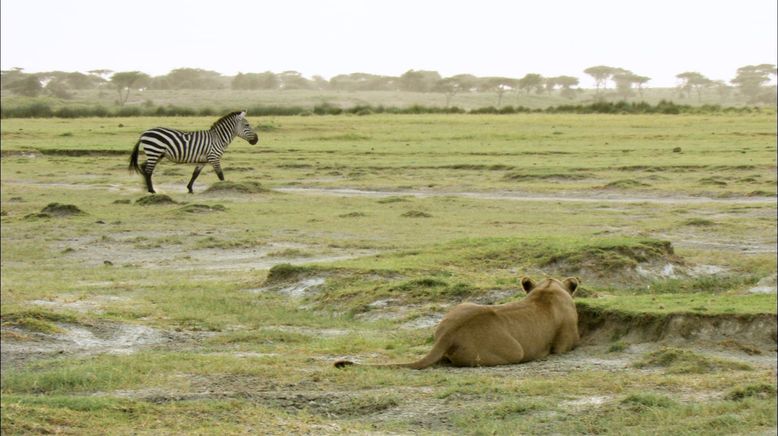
134,159
438,351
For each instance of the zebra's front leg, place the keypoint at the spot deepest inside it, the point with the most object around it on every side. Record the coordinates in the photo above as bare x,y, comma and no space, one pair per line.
196,173
217,167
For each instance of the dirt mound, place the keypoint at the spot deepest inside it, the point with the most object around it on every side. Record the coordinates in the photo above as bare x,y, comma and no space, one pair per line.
416,214
617,264
155,199
57,210
624,184
766,285
596,326
236,188
521,177
285,272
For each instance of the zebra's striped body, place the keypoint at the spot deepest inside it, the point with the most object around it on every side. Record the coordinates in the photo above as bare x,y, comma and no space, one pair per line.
200,147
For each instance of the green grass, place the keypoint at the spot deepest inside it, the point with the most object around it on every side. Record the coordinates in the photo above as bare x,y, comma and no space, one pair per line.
678,361
694,303
240,357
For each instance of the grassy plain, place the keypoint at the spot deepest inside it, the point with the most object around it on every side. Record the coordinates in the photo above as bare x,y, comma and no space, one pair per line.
222,311
230,100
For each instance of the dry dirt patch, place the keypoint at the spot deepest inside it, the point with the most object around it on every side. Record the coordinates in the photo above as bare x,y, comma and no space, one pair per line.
102,337
122,249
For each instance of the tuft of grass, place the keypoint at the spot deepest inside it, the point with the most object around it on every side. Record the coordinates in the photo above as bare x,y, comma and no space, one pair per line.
394,199
263,336
624,184
699,222
708,284
57,210
678,361
289,252
202,208
284,272
761,390
248,187
37,320
427,288
713,181
352,215
518,176
662,304
611,256
155,199
416,214
514,407
648,400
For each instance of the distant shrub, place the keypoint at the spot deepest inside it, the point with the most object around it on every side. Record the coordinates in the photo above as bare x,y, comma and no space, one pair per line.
33,110
44,110
484,110
327,109
129,111
208,111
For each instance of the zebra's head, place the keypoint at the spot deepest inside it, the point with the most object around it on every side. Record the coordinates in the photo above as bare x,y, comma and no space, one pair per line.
243,129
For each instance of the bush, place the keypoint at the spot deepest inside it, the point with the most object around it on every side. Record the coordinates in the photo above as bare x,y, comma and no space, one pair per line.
44,110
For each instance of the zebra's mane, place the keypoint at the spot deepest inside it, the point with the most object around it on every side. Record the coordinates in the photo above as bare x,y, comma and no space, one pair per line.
224,118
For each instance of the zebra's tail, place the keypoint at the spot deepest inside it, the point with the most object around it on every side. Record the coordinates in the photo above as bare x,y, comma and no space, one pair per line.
134,159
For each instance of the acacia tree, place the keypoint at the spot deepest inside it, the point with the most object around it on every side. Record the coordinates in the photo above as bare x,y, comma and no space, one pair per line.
640,81
499,85
722,89
100,73
127,80
418,80
293,80
566,82
266,80
751,79
451,86
363,82
624,79
693,81
601,74
29,86
531,81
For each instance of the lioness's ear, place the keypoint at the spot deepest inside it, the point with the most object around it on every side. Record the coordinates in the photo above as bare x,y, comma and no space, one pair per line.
527,284
571,284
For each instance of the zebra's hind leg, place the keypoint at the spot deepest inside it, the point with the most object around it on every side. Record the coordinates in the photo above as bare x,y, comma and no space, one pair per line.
196,173
148,169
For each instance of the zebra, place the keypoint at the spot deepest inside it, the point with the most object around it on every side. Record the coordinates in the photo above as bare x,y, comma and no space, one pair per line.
200,147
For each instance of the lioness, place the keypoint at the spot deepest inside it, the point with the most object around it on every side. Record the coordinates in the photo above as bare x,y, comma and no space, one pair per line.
544,322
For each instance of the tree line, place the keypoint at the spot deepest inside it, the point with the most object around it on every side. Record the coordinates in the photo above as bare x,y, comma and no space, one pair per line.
751,81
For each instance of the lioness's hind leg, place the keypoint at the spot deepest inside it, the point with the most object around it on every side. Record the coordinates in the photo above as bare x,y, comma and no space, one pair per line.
500,350
565,340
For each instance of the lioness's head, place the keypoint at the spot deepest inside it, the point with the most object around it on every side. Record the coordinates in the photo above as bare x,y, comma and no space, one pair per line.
569,284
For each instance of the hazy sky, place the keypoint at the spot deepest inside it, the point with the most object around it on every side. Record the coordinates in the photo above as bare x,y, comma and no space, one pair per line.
654,38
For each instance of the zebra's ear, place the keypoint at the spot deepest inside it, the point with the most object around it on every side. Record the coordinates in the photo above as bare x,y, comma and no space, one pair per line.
242,114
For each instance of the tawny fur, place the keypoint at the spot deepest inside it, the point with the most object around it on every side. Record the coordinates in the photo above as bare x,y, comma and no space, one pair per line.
544,322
